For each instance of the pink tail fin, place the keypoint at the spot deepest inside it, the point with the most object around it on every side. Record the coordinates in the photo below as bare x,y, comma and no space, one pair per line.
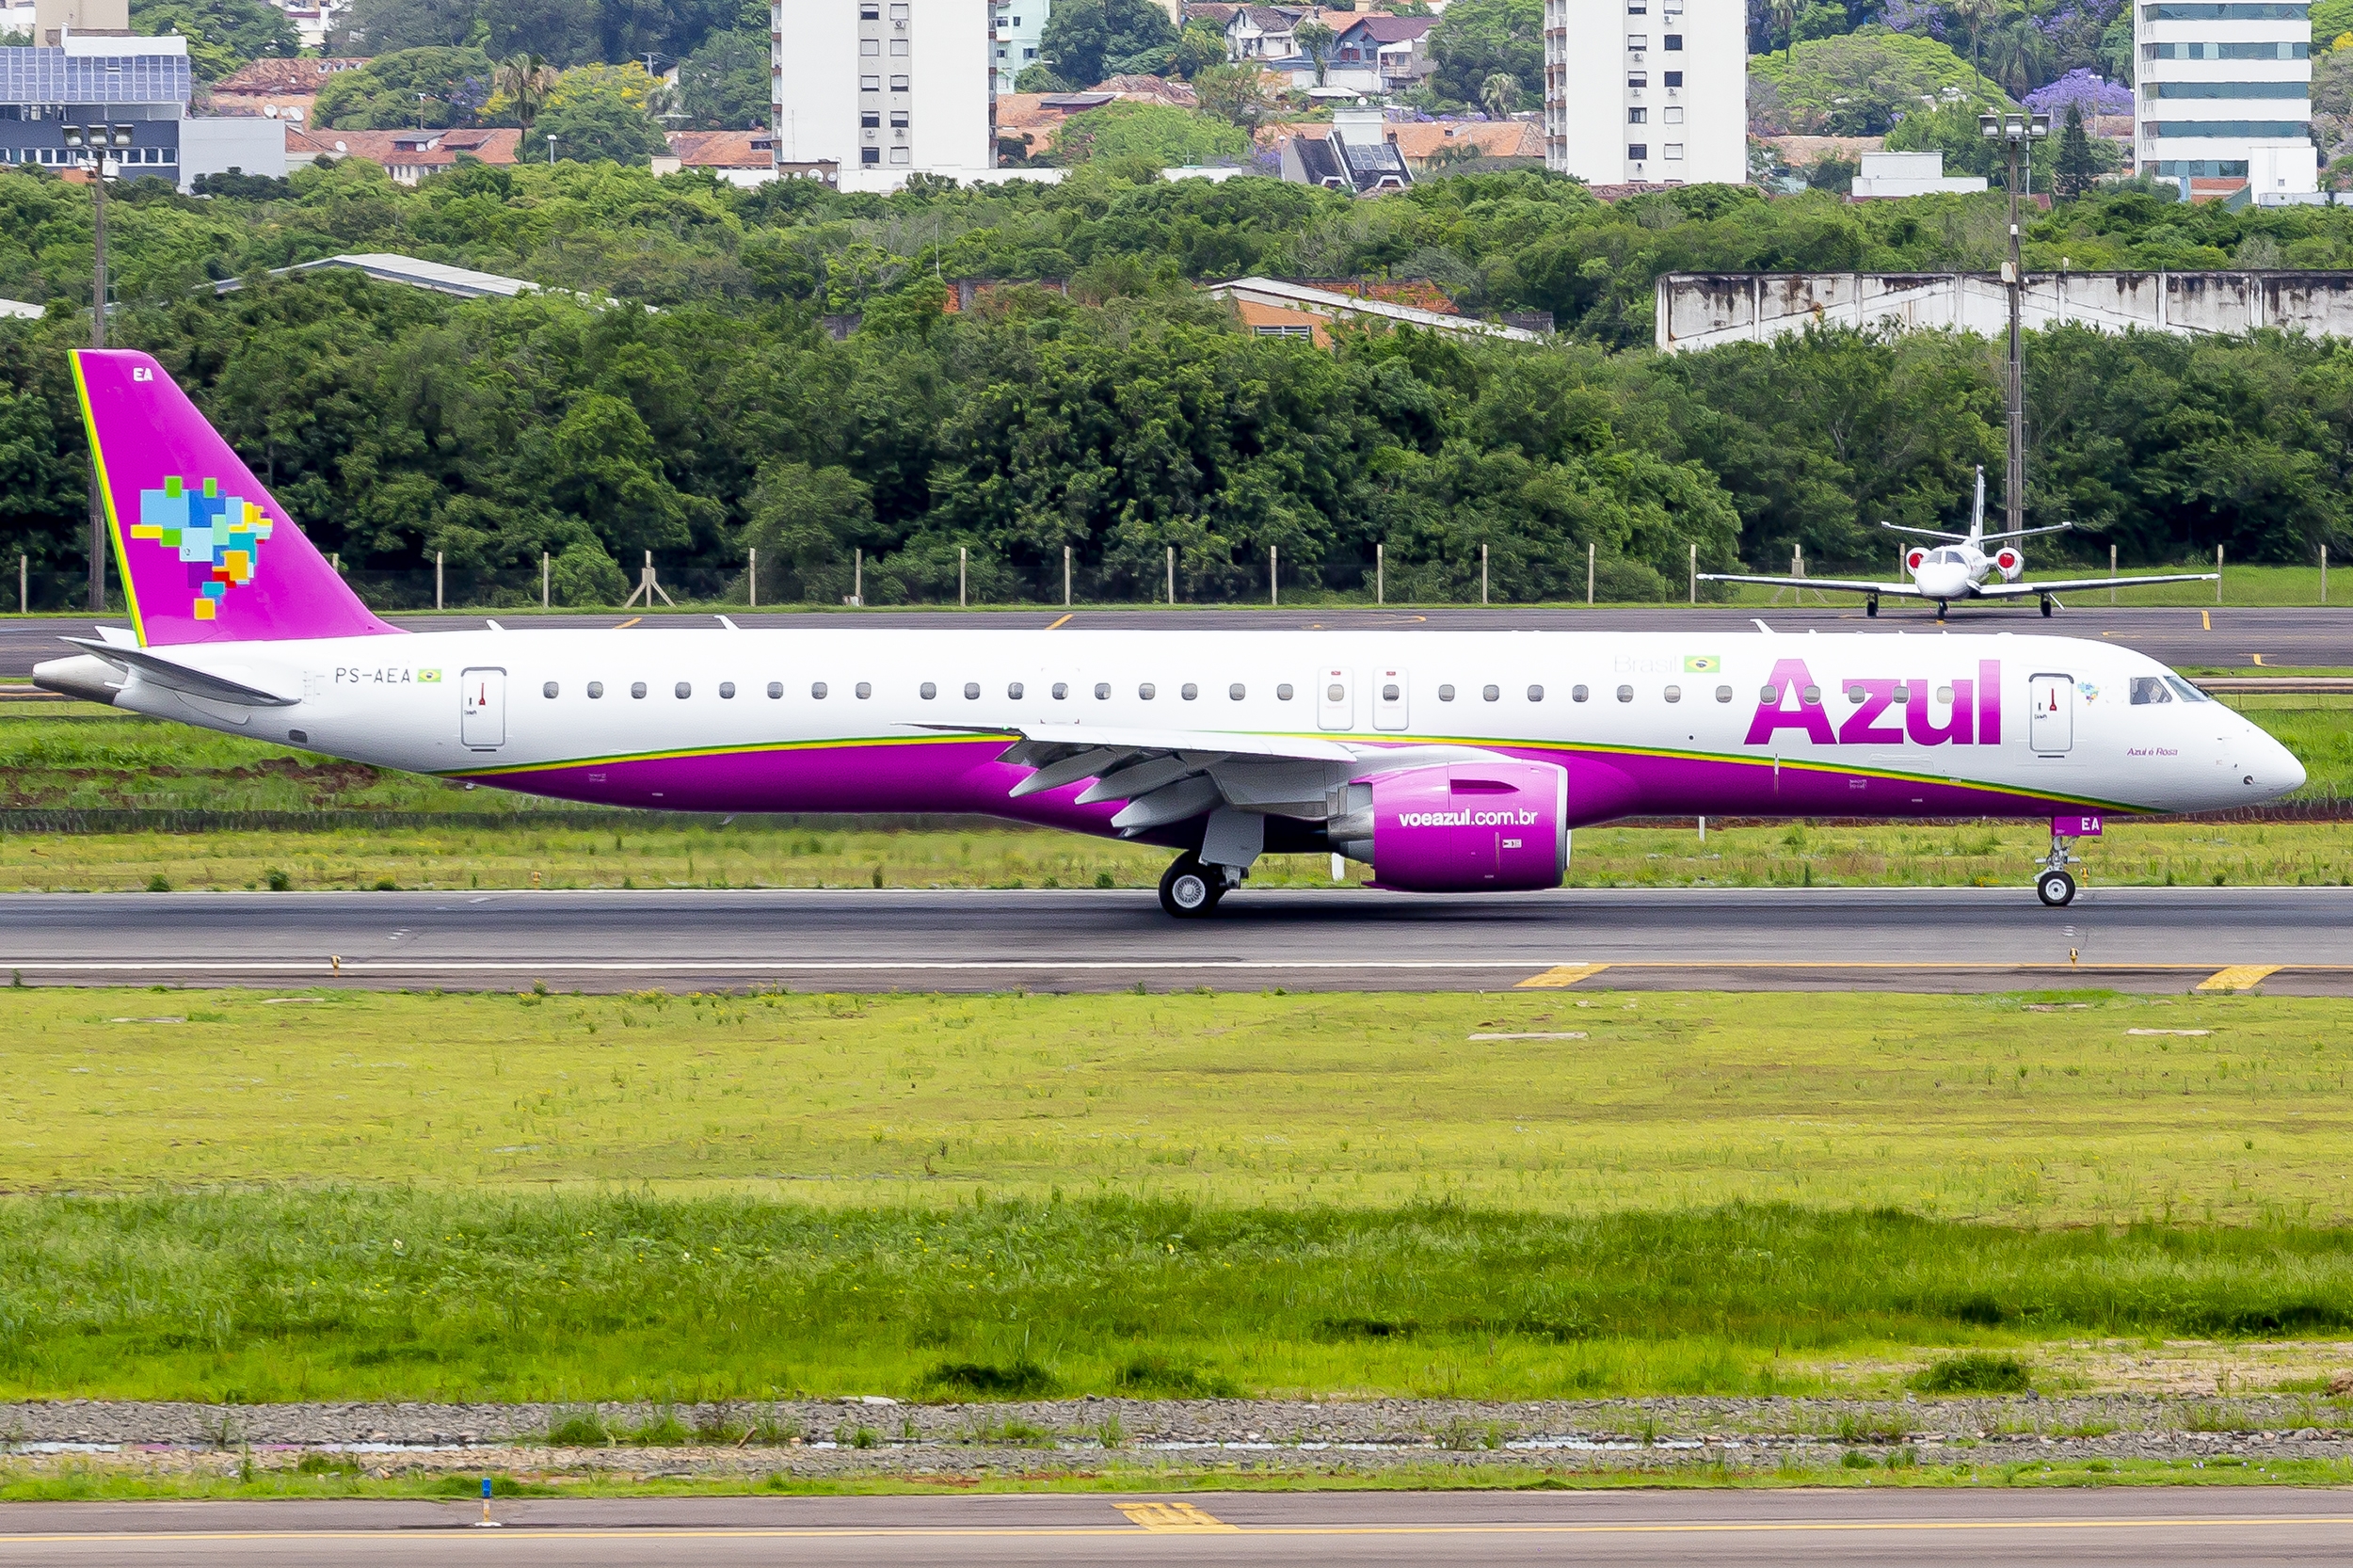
206,555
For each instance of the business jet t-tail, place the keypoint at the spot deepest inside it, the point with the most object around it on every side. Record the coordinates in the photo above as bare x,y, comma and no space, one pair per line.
1448,762
1976,564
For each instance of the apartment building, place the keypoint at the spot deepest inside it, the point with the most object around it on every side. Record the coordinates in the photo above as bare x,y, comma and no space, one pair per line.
1647,91
1015,29
2225,92
866,92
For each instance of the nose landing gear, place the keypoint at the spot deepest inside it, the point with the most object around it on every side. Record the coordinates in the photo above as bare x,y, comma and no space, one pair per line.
2053,884
1940,607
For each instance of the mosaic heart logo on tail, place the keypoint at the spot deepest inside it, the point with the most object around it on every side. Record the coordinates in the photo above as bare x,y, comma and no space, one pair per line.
218,536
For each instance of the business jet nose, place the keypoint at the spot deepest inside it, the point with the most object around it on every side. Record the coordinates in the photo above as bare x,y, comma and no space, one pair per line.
1943,581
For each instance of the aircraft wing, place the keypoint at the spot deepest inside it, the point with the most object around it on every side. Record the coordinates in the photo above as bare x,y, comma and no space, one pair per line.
2069,584
1172,775
1830,585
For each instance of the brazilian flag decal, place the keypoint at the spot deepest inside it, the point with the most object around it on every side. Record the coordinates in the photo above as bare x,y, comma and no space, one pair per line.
426,678
1703,664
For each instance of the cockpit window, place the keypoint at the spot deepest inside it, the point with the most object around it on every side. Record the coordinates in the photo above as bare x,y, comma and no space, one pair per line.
2189,693
2148,688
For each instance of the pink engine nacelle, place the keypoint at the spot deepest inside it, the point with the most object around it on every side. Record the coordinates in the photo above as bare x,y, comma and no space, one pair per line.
2010,561
1458,827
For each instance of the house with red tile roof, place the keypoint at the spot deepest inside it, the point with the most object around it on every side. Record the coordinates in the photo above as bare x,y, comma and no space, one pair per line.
408,156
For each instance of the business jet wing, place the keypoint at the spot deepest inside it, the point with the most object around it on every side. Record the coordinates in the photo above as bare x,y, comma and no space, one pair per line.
1829,585
1172,775
2069,584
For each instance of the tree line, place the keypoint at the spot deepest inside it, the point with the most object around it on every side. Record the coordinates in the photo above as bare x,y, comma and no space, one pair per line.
1122,412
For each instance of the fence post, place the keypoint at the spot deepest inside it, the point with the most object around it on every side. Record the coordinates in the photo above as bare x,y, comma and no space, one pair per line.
1483,575
1589,573
1380,574
1171,574
1695,599
546,574
857,577
437,580
751,579
1274,576
2111,571
2324,574
338,559
25,581
962,557
2218,574
1066,577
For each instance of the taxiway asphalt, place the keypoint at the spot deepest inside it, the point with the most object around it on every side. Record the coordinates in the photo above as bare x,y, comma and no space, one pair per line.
2289,940
1923,1527
2219,636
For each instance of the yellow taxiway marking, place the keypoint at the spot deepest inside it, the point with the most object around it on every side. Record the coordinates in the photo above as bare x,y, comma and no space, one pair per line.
2205,618
2239,977
627,624
1173,1518
2258,657
1560,976
1064,621
1732,1527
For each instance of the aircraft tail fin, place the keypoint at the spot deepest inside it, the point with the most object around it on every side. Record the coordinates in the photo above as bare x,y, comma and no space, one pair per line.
1976,513
206,554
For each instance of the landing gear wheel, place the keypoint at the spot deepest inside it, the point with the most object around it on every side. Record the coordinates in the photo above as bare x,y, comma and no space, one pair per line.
1940,608
1189,890
2057,890
2046,606
1871,607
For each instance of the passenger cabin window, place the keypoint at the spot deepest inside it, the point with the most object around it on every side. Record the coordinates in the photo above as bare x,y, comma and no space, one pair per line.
1535,693
1147,690
1578,693
685,691
927,690
1282,692
2148,688
1723,693
596,688
727,690
548,691
971,690
865,689
1013,691
637,689
1236,691
816,689
1674,693
1189,691
1626,694
1388,694
1812,694
1102,691
1945,696
1768,694
1446,694
1490,694
1062,690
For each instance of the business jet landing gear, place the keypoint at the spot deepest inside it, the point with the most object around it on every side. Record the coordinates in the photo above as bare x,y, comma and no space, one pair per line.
1941,608
2053,884
1190,889
2046,606
1872,606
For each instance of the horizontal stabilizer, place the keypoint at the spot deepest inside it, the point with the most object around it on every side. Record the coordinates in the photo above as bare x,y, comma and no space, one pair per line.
154,667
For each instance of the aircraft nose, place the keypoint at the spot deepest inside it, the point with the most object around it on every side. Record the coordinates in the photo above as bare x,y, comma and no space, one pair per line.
2274,768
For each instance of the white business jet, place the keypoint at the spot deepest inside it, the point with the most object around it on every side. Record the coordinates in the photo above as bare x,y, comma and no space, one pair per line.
1448,762
1961,567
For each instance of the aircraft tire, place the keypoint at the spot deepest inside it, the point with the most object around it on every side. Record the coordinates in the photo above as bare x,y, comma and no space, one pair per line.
1189,890
2057,890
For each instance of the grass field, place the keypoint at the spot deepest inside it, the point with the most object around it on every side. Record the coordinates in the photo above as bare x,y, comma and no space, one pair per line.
553,1196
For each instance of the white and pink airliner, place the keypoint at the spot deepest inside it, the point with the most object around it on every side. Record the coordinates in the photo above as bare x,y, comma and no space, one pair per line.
1449,761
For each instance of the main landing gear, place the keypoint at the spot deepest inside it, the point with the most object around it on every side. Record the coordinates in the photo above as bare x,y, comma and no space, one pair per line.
2053,884
1872,606
2046,606
1189,889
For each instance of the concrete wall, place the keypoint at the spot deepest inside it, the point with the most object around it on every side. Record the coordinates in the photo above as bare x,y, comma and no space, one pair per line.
1697,310
251,145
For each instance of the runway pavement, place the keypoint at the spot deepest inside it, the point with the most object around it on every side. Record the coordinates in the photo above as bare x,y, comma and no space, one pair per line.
2219,636
1924,1527
2290,940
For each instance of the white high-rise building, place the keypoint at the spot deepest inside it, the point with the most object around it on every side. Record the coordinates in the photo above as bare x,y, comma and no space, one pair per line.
867,92
1018,28
2225,92
1647,90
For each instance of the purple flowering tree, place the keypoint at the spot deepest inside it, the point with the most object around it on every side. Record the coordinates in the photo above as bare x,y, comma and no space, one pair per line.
2082,89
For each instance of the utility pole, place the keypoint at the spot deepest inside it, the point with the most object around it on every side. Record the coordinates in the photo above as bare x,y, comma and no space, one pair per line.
98,340
2017,133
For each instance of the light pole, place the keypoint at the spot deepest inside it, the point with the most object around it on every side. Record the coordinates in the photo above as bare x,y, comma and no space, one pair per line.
2016,132
92,141
550,152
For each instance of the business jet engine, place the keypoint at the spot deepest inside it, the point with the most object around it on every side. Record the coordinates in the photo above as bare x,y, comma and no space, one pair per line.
2010,561
1457,827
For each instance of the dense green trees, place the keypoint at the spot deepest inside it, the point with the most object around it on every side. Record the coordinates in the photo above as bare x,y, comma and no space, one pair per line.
406,86
1478,38
568,32
1086,40
1130,413
222,34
